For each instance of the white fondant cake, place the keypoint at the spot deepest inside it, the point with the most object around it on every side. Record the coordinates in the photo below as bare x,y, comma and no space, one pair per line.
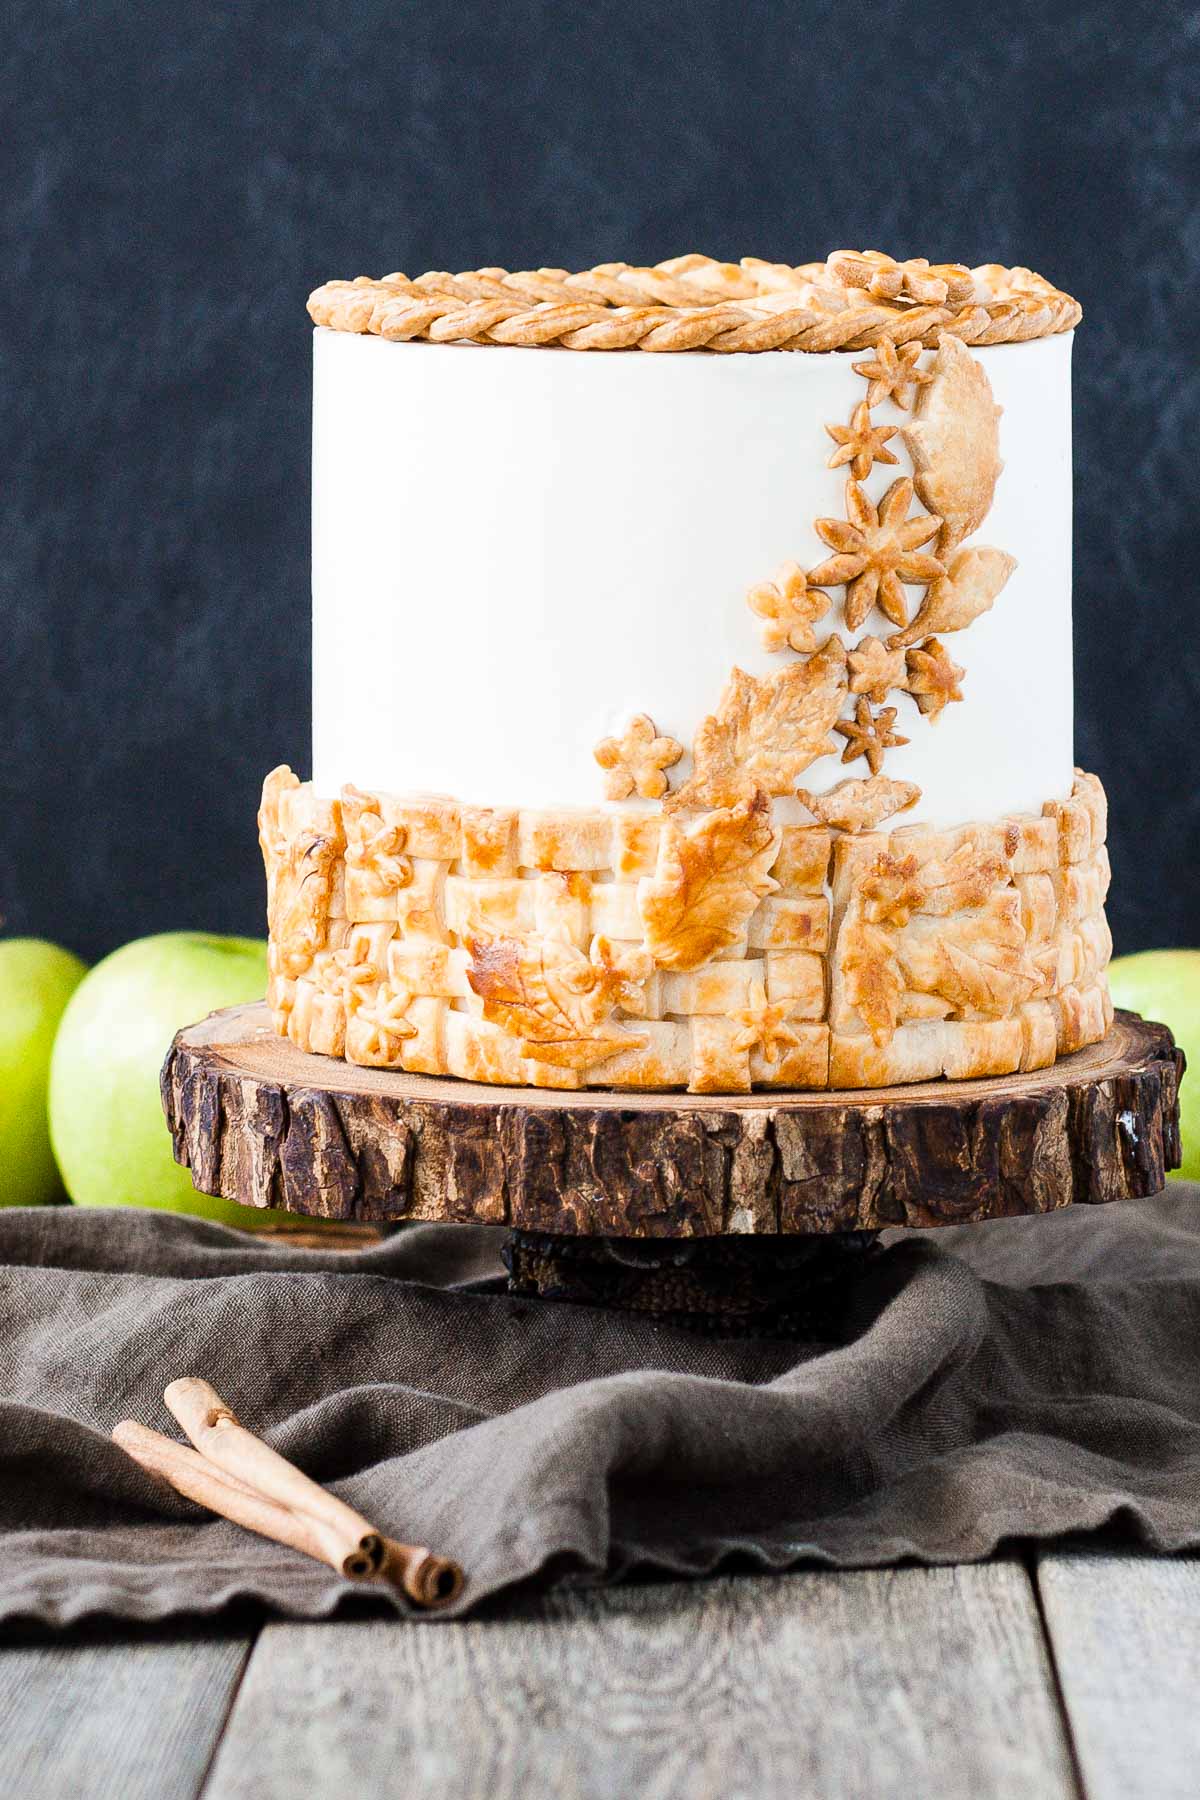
699,719
515,551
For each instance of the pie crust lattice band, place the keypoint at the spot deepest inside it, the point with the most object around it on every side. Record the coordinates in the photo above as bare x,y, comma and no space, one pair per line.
527,947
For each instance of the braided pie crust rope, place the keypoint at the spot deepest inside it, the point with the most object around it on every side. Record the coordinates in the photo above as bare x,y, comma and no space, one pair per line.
851,301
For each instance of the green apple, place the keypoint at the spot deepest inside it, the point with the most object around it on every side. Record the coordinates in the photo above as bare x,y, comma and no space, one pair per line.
1165,985
36,981
106,1119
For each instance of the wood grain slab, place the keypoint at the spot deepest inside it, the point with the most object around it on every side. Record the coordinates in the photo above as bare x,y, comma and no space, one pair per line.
259,1121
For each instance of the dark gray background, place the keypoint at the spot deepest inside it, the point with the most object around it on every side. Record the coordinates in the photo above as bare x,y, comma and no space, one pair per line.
177,178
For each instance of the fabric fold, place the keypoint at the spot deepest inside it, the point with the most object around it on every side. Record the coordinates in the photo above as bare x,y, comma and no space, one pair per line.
1023,1380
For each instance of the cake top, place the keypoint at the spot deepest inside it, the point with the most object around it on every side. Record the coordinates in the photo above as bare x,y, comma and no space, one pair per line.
850,301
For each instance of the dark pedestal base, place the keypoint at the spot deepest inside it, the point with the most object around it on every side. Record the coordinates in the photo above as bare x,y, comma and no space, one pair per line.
797,1287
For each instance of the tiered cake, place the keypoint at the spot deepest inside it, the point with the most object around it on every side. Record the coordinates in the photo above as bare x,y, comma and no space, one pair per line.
696,715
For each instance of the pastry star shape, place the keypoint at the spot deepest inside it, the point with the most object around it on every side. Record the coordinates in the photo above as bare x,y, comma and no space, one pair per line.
869,734
386,1018
763,1022
860,443
634,763
877,551
892,372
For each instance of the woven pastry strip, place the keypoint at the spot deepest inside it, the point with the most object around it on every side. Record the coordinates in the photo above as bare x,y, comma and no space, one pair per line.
876,958
688,303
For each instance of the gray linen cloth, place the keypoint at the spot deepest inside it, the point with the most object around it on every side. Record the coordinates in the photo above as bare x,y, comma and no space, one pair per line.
1017,1380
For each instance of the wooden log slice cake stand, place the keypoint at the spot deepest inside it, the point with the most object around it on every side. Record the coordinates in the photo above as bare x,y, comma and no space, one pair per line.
728,1211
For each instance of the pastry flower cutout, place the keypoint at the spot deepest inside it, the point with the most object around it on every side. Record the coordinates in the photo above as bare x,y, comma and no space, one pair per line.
933,678
635,762
860,443
762,1022
788,608
875,669
877,550
869,734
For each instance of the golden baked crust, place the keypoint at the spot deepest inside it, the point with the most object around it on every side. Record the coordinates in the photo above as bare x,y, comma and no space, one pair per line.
631,950
857,300
704,944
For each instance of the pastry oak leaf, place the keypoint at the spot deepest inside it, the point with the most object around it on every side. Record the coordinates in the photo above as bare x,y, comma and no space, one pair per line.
877,550
954,440
707,882
555,999
973,579
765,732
860,805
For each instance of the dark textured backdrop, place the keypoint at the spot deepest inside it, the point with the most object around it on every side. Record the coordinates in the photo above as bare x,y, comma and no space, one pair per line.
175,178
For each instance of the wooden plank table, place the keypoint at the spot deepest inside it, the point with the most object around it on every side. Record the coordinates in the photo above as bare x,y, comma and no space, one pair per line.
1073,1675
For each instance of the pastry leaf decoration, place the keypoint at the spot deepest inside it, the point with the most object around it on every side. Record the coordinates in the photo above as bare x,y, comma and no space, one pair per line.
873,979
969,587
860,805
708,881
766,731
557,1000
976,960
954,441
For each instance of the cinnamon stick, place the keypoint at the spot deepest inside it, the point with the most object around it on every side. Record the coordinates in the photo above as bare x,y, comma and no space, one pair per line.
219,1436
237,1475
197,1479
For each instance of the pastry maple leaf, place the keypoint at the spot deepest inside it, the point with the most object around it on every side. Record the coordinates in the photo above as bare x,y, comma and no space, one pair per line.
874,981
977,960
707,882
557,1000
765,732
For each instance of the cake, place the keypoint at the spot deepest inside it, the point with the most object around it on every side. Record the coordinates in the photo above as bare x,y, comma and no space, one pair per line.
692,686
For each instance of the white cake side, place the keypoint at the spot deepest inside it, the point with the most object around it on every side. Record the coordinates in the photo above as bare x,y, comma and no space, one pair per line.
515,550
